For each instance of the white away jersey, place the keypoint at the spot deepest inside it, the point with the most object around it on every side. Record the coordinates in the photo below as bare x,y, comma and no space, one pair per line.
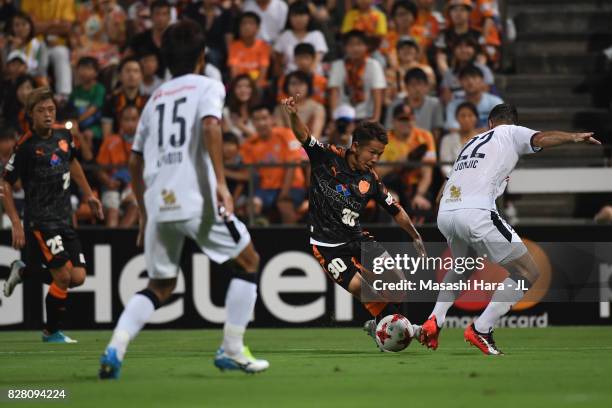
178,172
480,171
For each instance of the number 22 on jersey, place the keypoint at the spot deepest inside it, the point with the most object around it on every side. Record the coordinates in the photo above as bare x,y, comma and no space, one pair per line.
468,159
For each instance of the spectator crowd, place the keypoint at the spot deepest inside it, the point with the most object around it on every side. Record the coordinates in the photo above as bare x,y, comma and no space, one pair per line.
423,68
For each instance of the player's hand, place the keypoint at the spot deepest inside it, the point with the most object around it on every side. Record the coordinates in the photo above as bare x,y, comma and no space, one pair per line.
18,236
225,200
420,203
419,246
142,222
290,104
586,138
96,206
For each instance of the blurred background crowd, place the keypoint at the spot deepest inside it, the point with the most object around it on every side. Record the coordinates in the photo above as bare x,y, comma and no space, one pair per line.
423,68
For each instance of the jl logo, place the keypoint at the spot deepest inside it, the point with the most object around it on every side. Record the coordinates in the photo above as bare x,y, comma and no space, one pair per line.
455,193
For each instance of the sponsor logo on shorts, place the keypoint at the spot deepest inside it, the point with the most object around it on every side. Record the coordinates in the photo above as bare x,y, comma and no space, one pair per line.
169,201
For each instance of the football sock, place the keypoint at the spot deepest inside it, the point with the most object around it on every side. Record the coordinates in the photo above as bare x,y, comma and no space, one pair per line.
135,315
500,304
55,303
446,298
239,304
389,309
375,308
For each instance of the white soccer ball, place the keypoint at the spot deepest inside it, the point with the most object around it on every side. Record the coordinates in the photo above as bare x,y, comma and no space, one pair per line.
394,333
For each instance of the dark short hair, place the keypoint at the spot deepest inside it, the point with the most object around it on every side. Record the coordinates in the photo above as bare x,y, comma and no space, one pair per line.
230,137
407,42
37,96
357,34
23,79
183,43
470,70
88,62
304,49
159,4
126,108
7,131
403,109
367,131
300,76
468,40
249,14
24,16
467,105
406,5
260,107
145,51
299,7
415,74
126,61
504,113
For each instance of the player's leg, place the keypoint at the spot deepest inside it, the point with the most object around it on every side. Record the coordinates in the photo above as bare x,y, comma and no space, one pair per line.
31,266
55,305
229,243
163,246
512,255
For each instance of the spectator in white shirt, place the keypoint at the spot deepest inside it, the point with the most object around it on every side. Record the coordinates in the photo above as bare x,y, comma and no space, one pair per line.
273,14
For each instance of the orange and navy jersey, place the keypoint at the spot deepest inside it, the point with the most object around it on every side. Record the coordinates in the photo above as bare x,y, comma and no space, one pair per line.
249,60
339,195
114,151
43,166
420,146
117,101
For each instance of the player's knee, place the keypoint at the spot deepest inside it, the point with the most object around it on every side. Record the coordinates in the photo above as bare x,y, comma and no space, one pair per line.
248,260
77,277
62,278
162,288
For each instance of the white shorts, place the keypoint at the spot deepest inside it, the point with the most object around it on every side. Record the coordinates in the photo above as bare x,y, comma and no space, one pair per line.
164,241
484,231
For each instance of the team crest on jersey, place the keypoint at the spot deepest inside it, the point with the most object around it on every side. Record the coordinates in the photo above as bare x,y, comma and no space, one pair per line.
341,188
455,193
63,145
55,160
364,186
169,200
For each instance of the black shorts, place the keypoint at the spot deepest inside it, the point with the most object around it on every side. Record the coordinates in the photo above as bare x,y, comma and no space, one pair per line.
53,248
342,262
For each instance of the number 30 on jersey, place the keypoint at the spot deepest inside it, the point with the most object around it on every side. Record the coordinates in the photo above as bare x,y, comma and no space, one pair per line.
349,217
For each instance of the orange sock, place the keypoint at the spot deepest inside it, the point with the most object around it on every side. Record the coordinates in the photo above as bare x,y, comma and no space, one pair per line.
375,308
58,292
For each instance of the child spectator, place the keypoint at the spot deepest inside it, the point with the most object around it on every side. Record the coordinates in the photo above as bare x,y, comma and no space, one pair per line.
410,143
248,54
342,127
149,65
464,54
280,188
467,117
272,14
24,85
367,18
403,15
128,93
117,197
20,36
305,61
299,30
87,100
311,113
428,111
459,12
241,98
16,67
89,40
408,54
472,82
357,80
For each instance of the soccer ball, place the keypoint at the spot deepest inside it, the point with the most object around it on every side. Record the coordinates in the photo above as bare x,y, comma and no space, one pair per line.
394,333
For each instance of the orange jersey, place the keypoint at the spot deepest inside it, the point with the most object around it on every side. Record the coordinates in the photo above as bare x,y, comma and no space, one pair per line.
319,89
280,147
429,28
419,146
248,60
114,151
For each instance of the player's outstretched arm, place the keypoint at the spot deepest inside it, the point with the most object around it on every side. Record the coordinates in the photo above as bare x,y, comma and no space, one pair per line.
213,139
9,207
300,130
76,172
136,167
555,138
403,220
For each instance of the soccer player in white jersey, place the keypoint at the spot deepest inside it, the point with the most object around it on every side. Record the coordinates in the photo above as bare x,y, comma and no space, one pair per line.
469,221
177,176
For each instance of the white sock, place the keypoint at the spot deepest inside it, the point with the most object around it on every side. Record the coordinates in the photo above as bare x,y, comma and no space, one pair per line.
239,304
446,298
135,315
500,304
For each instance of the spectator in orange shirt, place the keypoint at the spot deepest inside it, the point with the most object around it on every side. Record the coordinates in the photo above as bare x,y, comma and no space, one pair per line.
248,54
117,197
403,15
367,18
304,55
429,22
282,188
411,182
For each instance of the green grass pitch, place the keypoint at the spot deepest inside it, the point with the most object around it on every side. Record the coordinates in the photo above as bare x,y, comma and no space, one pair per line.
554,367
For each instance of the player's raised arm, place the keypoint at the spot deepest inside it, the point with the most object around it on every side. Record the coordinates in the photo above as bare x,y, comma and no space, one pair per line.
555,138
300,130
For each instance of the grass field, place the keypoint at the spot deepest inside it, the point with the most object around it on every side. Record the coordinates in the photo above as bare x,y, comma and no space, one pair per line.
555,367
